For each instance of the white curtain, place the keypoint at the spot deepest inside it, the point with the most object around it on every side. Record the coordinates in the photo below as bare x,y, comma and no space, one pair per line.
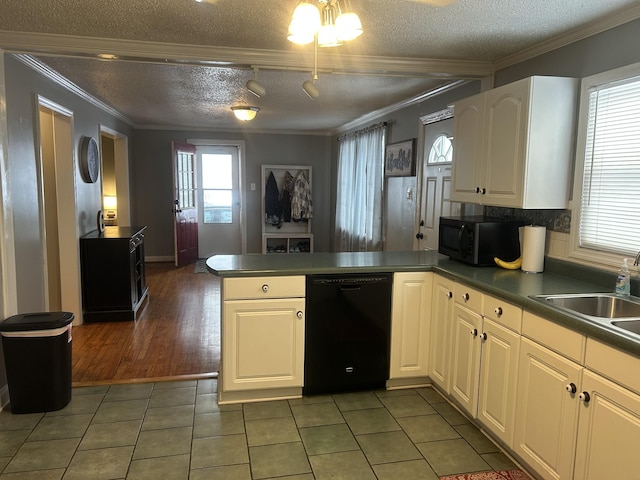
359,195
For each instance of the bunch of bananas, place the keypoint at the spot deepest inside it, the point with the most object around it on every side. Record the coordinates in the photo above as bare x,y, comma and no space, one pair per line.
515,265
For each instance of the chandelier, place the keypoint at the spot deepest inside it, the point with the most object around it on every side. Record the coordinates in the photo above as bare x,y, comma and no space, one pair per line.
324,19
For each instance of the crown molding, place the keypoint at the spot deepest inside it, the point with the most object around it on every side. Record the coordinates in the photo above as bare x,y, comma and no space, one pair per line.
130,50
571,36
397,106
58,79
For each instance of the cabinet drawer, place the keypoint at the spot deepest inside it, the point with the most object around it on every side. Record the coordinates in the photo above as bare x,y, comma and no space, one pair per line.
619,366
562,340
504,313
469,297
263,287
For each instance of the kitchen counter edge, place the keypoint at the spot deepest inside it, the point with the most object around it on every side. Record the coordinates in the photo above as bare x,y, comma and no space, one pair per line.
514,286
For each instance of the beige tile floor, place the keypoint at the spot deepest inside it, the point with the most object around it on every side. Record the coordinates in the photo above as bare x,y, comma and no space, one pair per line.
177,431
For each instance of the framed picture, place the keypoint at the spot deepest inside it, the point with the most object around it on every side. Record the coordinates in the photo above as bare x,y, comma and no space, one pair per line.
400,159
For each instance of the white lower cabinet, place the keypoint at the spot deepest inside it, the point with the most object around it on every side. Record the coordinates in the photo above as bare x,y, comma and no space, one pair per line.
262,333
608,432
465,357
498,379
485,359
266,339
410,323
547,410
441,330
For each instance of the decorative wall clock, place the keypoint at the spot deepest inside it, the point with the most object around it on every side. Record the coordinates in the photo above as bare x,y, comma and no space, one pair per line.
89,159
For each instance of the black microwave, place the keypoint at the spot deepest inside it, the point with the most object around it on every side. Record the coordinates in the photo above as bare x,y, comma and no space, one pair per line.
478,239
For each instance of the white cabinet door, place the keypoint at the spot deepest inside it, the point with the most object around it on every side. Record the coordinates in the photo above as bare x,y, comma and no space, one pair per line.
513,144
441,329
468,158
609,431
410,323
546,413
263,344
465,357
506,113
498,379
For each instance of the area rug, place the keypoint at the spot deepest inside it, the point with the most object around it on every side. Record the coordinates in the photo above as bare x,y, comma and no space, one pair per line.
201,266
497,475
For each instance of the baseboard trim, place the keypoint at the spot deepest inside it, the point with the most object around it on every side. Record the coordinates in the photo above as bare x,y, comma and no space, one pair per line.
173,378
154,259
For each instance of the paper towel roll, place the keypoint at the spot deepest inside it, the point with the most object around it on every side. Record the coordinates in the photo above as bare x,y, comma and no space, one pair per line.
533,243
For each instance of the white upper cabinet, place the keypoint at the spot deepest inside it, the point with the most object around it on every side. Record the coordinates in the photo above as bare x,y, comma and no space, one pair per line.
513,145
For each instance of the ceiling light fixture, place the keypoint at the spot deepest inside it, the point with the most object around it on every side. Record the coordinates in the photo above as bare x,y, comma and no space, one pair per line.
326,22
245,114
254,87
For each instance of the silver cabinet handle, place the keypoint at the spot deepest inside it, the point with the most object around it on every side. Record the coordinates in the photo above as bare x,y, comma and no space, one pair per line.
571,388
498,311
449,294
465,297
299,314
265,288
585,397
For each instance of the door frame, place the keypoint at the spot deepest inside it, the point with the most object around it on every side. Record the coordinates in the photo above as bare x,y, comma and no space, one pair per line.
68,233
420,152
8,282
240,144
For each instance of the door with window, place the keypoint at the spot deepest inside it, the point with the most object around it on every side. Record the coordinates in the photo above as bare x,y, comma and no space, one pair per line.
220,228
185,208
435,184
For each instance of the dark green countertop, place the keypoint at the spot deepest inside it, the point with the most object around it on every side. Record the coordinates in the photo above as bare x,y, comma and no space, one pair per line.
513,286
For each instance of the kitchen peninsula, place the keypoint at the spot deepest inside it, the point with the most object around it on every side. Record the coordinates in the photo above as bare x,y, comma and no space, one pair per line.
512,285
559,392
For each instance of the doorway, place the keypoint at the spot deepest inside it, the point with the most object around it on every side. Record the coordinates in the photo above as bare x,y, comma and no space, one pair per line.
58,206
219,203
436,137
114,157
222,217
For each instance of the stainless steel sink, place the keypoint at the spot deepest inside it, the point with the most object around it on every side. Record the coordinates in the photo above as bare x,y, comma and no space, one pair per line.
632,326
619,313
598,305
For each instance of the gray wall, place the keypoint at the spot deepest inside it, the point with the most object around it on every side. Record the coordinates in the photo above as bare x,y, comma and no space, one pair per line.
22,85
605,51
153,182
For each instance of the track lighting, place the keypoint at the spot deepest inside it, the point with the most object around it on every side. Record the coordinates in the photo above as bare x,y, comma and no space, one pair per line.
254,87
310,89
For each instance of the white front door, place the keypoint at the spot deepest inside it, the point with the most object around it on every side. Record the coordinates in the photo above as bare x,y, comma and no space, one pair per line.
220,226
435,186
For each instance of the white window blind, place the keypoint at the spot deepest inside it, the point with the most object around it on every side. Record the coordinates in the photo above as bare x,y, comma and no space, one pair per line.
610,213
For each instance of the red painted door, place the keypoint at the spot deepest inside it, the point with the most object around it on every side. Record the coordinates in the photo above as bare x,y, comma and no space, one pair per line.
185,205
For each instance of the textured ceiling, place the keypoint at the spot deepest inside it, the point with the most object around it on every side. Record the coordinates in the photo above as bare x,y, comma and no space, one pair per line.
198,56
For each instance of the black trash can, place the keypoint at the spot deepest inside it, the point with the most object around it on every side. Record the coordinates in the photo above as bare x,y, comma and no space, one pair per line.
37,357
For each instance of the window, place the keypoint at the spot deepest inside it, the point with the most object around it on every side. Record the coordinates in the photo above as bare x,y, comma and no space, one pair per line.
358,226
608,163
217,188
441,150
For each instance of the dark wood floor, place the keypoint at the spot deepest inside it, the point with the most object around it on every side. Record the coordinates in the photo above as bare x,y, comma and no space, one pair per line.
176,335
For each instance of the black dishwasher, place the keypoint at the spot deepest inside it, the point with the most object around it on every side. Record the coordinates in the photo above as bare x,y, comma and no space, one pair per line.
347,332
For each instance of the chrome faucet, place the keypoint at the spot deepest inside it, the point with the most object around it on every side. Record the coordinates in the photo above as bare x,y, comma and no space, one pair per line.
637,260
